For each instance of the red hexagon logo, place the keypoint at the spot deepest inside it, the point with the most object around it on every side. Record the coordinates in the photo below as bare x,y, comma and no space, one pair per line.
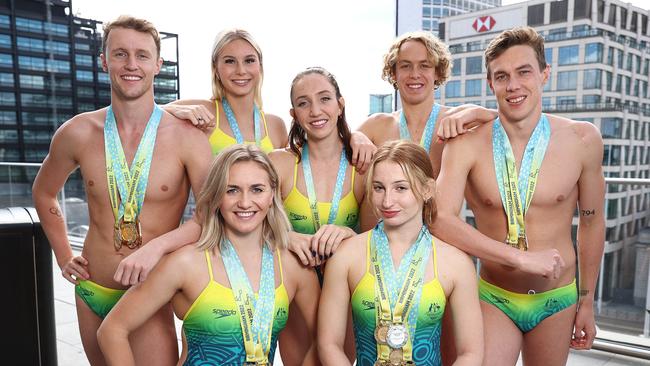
483,24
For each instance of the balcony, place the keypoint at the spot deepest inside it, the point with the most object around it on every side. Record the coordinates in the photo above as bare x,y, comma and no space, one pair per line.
623,320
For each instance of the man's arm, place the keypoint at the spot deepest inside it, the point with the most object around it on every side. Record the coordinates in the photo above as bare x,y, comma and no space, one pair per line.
196,157
457,161
458,120
591,234
51,177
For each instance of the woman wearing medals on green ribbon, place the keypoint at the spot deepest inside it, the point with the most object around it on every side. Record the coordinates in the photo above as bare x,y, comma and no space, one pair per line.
324,211
409,278
234,287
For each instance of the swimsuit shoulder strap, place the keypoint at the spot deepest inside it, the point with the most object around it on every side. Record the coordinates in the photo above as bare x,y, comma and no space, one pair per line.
266,128
216,108
280,266
368,251
209,262
295,174
435,259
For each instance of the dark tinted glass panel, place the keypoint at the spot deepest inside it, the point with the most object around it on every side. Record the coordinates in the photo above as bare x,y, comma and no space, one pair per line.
582,9
536,14
558,11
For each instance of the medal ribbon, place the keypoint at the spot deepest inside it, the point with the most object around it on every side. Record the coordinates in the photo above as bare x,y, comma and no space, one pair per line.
131,183
427,135
517,189
234,127
311,190
406,298
255,313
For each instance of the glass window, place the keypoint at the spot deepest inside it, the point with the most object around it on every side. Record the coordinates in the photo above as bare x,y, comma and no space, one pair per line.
6,79
612,208
6,60
56,29
638,64
9,136
559,11
7,99
31,63
85,60
82,46
5,41
610,56
58,66
567,80
426,24
628,63
452,89
473,65
548,55
590,101
58,48
593,52
84,91
34,100
83,75
164,83
566,103
455,69
611,127
568,55
546,103
473,87
29,25
7,118
492,104
4,21
426,12
619,83
619,58
103,77
591,79
32,81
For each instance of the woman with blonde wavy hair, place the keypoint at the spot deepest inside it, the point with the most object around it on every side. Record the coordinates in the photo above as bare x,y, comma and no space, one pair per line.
233,288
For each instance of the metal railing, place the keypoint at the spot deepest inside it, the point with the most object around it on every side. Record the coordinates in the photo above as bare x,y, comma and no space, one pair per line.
18,177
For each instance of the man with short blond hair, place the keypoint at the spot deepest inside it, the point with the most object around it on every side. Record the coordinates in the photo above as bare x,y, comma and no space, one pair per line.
138,164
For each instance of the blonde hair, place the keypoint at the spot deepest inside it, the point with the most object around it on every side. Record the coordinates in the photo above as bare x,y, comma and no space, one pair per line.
416,166
221,41
437,51
276,225
129,22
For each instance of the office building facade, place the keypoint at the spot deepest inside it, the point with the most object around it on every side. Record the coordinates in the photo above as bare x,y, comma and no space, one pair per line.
415,15
381,103
599,52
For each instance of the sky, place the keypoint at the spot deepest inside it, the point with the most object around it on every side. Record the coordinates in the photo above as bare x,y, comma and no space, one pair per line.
347,37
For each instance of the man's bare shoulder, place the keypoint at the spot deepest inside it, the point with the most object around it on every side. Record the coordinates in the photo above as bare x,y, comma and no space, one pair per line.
83,124
176,128
377,124
586,132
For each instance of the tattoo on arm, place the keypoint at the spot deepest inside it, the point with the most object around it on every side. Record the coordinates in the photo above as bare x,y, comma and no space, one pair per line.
588,212
584,292
55,211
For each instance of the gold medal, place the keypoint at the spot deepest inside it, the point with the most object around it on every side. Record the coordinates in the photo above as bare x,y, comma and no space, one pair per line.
522,243
381,331
130,233
396,357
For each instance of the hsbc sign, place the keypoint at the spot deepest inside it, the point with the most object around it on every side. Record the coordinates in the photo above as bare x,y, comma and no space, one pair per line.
496,20
483,24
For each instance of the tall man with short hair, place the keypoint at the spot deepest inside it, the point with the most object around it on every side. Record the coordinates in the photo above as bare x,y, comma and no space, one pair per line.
138,163
523,175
